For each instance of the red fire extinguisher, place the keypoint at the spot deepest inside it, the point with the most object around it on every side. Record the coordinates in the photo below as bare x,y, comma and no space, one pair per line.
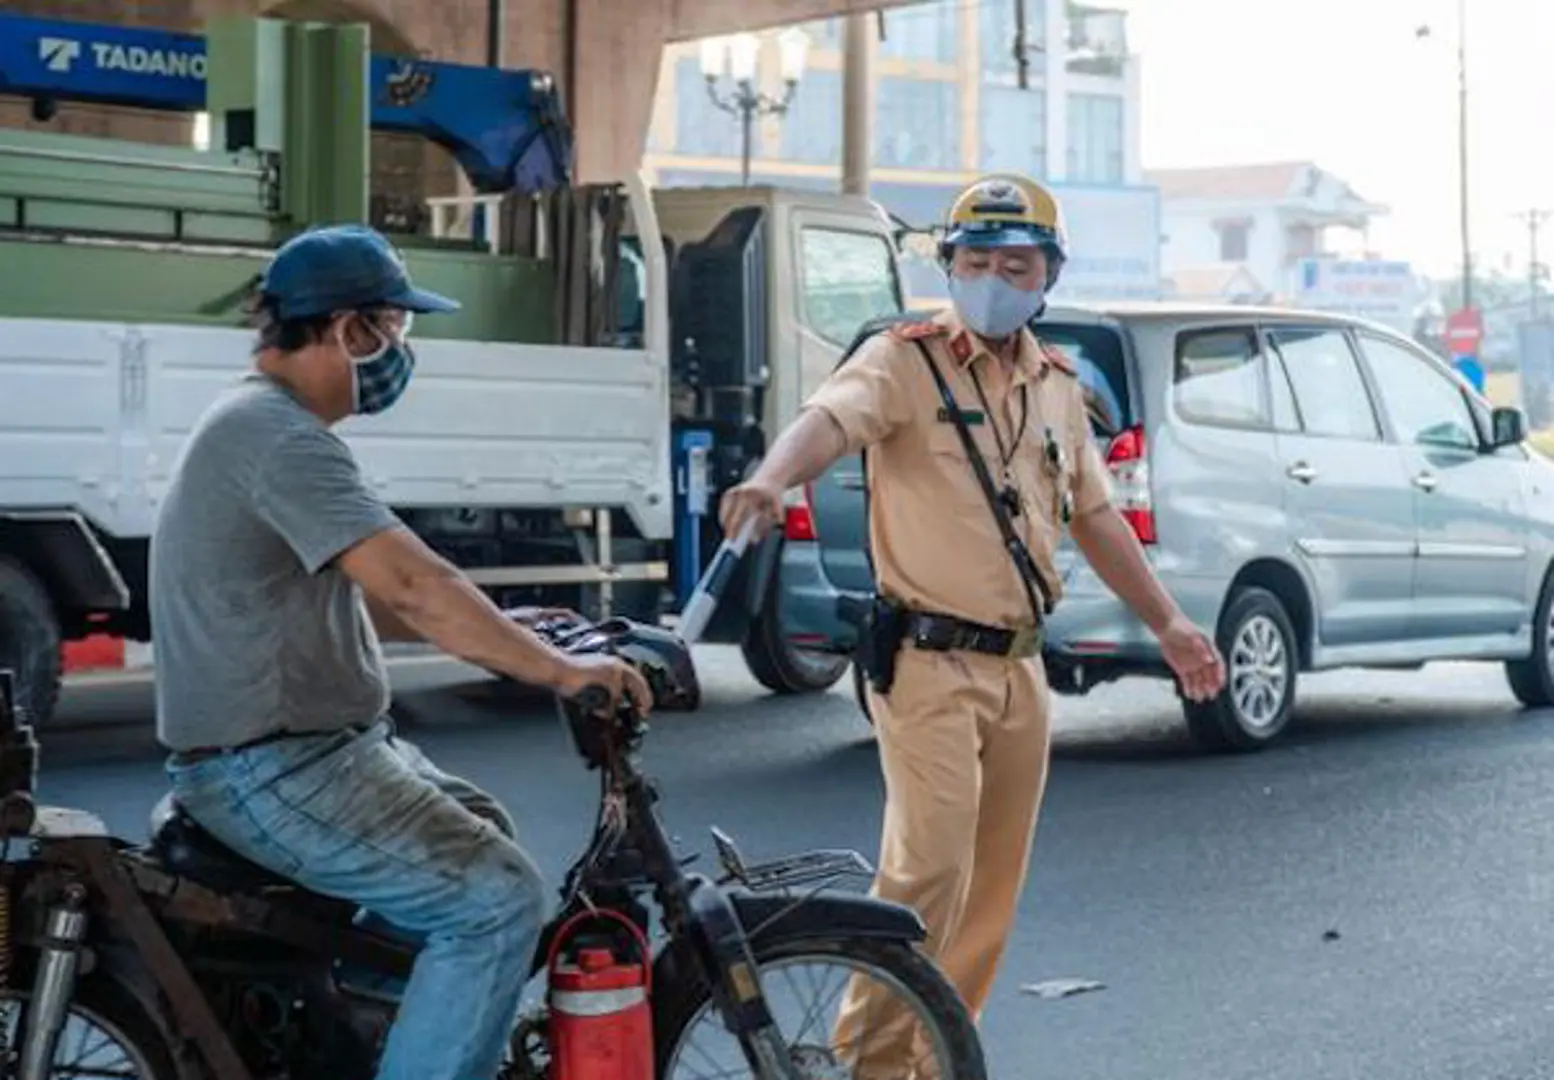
601,1021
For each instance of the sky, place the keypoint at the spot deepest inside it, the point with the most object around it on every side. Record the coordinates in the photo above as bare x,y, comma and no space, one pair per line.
1348,85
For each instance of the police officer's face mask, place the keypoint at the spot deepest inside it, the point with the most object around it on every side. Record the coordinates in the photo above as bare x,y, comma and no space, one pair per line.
992,306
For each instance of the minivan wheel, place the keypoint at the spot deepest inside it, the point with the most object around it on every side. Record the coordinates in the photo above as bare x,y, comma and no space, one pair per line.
778,664
1532,679
1257,640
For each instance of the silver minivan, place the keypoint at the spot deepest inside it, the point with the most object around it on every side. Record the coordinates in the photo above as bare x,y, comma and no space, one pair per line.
1319,490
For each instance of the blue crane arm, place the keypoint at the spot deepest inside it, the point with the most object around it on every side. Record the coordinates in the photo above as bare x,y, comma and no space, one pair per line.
505,128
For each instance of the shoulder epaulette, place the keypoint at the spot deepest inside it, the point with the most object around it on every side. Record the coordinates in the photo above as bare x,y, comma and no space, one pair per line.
1056,357
915,331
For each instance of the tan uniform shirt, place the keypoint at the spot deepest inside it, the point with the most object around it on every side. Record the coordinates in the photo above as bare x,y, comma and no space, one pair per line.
936,546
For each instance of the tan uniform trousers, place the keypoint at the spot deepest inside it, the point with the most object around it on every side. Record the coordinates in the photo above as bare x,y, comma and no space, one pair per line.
964,746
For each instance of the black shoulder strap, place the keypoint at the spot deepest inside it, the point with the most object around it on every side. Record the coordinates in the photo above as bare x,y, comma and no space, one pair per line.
1030,577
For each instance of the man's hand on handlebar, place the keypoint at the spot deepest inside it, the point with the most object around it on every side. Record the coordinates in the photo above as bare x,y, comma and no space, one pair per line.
533,616
615,676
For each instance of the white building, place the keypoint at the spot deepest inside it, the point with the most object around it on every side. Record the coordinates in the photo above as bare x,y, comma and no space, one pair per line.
1260,221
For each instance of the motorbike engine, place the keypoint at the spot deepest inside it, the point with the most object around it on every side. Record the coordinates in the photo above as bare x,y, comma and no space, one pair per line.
262,1018
305,1030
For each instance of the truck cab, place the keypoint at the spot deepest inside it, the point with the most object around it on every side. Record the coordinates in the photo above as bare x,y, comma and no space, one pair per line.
767,287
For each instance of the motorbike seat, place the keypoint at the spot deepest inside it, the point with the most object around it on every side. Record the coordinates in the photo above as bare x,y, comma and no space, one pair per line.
187,850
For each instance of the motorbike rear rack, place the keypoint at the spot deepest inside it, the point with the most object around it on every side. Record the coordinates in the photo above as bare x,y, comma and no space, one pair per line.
790,871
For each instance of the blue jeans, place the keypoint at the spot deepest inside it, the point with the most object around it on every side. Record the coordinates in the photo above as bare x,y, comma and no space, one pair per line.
367,818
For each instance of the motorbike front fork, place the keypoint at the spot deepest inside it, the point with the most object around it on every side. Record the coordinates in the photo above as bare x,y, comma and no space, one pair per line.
59,959
741,1001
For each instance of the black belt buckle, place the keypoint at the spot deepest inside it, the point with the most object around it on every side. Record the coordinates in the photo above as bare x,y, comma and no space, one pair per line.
935,633
1026,642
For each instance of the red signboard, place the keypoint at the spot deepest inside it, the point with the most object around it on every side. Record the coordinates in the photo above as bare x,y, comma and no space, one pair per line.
1465,331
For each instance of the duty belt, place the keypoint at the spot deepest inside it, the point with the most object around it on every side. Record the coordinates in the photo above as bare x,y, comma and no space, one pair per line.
943,633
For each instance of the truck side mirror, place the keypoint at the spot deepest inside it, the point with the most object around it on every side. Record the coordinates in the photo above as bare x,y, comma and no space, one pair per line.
1508,426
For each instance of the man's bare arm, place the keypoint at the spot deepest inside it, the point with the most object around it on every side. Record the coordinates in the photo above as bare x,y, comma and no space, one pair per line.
809,446
438,604
390,627
802,452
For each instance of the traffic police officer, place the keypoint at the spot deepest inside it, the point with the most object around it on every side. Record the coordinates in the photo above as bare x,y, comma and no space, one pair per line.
963,727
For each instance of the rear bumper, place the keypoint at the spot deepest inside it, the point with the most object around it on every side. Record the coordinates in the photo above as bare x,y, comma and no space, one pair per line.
809,601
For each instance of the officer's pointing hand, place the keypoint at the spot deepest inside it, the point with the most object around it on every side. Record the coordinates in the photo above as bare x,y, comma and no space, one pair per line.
1194,659
752,499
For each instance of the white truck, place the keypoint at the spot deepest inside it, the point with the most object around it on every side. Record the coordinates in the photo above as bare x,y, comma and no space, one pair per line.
576,474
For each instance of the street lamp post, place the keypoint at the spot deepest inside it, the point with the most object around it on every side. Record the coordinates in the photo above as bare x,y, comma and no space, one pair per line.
736,56
1462,143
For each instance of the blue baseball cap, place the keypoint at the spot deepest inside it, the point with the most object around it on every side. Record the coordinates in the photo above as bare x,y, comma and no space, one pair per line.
340,267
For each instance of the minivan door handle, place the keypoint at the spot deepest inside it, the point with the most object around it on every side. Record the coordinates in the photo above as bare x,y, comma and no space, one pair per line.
1301,471
851,481
1425,481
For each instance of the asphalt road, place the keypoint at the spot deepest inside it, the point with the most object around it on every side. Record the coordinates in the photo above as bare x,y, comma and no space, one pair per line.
1369,899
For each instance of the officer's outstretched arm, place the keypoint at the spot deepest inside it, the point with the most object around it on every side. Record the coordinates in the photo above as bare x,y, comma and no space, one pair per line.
806,449
1107,542
862,403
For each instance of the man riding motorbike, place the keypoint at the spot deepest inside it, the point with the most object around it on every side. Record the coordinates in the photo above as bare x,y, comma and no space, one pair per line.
271,691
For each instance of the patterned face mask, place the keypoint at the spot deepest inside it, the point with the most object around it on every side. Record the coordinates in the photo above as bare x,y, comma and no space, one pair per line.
381,378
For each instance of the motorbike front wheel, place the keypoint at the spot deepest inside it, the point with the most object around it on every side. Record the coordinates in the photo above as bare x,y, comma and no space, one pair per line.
107,1031
946,1046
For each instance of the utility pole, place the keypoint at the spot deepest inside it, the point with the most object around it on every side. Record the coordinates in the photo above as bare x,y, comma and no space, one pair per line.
858,45
1462,147
1462,143
1534,219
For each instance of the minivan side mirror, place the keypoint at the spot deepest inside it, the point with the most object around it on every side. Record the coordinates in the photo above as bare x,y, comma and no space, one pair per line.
1508,426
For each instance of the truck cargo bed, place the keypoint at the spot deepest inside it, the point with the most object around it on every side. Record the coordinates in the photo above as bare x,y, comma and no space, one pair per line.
93,416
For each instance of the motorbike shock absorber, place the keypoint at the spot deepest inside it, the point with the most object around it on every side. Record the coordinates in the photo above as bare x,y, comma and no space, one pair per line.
59,959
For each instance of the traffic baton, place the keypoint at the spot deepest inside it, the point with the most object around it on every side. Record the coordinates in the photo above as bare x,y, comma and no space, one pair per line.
709,590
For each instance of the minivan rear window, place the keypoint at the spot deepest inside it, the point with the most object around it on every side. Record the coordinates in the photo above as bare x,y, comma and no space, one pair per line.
1097,354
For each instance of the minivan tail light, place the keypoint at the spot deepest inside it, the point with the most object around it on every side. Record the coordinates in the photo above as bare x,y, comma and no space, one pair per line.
798,522
1128,460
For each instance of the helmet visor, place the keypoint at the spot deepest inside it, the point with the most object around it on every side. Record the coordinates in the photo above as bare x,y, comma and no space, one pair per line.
999,234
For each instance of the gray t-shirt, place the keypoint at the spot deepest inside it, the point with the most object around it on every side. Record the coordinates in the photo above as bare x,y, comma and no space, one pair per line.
255,630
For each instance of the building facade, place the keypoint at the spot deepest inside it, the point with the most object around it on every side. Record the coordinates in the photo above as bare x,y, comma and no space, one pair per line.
947,107
1288,233
1261,220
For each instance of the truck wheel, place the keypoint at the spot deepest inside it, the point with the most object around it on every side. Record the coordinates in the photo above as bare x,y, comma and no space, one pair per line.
1261,654
1532,679
779,665
29,640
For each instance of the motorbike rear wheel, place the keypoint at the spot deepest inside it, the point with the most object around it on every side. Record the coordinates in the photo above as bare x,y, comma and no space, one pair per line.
687,1003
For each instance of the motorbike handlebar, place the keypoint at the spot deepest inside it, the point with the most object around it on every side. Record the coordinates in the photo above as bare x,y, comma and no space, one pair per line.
592,698
598,732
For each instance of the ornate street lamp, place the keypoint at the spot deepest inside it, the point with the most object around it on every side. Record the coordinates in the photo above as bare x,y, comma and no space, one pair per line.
736,56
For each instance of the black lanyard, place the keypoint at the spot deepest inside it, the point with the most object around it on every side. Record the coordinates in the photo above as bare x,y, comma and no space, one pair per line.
1007,455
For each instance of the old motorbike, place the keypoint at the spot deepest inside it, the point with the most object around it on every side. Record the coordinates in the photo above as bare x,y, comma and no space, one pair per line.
195,964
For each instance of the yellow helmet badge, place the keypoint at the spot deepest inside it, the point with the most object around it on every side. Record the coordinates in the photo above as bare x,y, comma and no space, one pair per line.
1008,211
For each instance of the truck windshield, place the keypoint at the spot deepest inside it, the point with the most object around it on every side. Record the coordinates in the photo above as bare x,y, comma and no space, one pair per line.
1097,353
